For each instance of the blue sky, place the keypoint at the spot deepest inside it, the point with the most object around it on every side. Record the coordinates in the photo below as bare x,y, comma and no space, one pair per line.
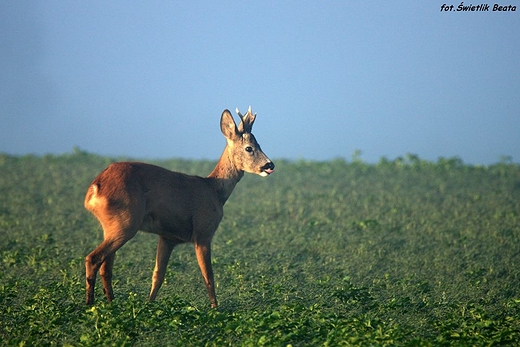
150,79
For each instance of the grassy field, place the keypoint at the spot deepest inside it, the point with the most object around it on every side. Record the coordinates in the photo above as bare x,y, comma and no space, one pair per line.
402,252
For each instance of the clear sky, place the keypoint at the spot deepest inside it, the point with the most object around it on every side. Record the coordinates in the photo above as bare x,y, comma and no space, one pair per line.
149,79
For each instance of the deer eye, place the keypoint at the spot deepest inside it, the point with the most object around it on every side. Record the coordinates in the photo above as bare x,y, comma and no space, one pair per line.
249,149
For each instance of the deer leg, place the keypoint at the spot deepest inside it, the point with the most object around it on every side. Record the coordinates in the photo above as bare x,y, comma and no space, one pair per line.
106,276
103,255
164,250
203,252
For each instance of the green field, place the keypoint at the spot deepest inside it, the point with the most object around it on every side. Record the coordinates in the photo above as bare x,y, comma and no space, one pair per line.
336,253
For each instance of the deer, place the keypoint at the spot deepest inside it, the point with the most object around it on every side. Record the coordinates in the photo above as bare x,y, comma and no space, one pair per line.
128,197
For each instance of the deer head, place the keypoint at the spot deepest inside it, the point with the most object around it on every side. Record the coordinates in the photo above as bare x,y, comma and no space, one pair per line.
243,149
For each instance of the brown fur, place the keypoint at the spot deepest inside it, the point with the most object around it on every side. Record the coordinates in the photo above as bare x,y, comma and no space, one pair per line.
130,196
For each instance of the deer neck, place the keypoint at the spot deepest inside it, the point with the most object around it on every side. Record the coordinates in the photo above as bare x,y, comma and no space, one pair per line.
225,176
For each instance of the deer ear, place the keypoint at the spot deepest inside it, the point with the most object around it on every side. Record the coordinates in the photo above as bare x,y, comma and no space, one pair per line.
228,126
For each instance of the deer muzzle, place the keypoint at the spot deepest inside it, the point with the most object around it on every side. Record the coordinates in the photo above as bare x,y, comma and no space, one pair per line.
267,169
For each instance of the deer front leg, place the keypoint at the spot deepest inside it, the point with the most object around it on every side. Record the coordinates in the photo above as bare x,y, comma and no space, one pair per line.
203,252
164,250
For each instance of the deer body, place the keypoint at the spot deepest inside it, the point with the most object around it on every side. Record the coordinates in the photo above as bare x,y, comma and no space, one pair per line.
130,196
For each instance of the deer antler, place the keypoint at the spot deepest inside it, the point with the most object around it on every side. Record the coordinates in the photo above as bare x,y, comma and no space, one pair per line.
247,120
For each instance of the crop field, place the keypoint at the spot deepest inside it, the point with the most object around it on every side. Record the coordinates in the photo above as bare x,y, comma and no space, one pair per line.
404,252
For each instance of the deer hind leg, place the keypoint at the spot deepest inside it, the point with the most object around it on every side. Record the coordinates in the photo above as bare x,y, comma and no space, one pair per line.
105,272
102,259
164,250
203,252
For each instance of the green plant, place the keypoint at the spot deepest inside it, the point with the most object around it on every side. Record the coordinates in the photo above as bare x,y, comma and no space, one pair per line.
405,252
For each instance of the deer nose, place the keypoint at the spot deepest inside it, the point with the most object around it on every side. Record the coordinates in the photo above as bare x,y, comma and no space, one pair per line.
268,168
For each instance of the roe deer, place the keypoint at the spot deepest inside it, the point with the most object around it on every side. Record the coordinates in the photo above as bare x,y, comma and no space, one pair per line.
129,196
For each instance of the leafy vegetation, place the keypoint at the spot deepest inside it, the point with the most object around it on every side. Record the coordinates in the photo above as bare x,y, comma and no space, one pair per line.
402,252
